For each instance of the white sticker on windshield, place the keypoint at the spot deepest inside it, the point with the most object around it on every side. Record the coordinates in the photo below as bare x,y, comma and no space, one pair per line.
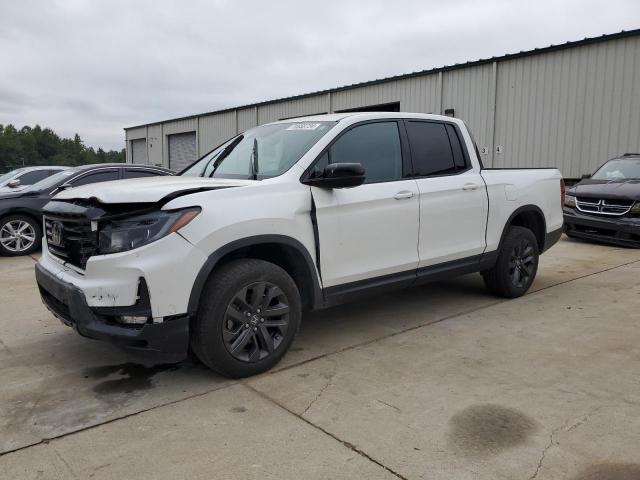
303,126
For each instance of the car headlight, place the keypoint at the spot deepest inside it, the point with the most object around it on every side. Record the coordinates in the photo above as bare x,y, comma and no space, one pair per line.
635,209
569,201
133,232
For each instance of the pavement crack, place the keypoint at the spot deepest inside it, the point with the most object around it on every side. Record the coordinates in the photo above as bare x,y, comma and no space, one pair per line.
568,426
318,395
544,452
388,405
47,440
328,383
347,444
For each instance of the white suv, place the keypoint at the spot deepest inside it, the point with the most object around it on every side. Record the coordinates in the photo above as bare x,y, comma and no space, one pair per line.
294,215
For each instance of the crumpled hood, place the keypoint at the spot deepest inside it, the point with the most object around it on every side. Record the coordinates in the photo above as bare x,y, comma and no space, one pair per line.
147,190
614,189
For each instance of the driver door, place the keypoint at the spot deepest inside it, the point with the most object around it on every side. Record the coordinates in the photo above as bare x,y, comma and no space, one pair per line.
371,230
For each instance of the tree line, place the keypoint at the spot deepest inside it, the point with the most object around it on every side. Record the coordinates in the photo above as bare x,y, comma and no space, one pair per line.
41,146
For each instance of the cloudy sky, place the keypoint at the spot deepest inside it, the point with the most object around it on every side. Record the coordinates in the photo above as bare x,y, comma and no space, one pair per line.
94,67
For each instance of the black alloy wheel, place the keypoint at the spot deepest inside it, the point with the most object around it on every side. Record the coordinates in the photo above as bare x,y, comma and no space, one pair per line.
256,321
516,266
521,263
248,315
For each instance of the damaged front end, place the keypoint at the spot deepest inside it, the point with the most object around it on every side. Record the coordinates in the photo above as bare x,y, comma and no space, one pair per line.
90,278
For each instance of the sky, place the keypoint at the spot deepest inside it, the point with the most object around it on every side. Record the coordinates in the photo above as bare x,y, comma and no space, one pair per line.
94,67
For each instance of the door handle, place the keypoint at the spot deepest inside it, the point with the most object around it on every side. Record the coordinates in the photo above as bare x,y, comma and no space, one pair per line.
470,186
403,194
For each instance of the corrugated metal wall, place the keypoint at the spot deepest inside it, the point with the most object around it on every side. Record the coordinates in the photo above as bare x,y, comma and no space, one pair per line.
418,94
293,108
571,108
470,93
215,129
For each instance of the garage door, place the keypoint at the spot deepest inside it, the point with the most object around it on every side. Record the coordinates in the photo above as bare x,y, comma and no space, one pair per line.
182,150
139,151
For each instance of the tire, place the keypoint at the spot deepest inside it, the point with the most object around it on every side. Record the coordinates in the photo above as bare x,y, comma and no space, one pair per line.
517,264
19,235
243,305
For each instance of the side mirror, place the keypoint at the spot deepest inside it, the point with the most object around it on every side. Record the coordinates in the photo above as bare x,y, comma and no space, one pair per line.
585,176
64,186
339,175
15,183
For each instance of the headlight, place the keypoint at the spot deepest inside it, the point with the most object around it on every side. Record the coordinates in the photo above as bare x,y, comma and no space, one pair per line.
635,209
569,201
133,232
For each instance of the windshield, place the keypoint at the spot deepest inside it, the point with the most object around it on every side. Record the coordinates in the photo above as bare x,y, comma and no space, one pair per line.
262,152
7,176
619,169
50,181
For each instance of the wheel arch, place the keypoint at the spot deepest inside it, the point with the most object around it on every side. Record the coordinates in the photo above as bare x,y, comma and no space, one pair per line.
286,252
33,215
531,217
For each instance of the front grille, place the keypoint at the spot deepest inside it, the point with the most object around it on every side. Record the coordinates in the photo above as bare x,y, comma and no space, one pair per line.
71,239
603,206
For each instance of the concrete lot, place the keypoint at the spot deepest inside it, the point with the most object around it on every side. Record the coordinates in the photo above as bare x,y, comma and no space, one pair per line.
441,381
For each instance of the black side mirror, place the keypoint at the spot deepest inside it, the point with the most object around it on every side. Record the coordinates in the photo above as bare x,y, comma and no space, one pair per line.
585,176
339,175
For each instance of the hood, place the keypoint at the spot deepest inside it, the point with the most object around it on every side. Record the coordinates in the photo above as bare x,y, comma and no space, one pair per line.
13,193
147,190
614,189
5,190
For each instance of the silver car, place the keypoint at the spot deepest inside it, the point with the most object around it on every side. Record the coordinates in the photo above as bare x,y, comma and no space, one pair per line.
19,178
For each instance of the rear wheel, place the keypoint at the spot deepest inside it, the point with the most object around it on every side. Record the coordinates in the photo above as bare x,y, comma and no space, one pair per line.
19,235
248,316
517,264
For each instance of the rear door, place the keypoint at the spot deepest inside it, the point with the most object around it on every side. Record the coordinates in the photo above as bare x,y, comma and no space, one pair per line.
453,198
370,230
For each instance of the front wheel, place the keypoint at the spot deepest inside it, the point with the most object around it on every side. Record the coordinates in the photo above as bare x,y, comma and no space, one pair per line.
517,264
249,313
19,235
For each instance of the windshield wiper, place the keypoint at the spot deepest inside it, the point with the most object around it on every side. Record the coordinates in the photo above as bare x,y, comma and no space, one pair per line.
225,153
254,160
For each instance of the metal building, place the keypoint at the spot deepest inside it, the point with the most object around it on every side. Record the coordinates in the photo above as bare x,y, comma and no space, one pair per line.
571,106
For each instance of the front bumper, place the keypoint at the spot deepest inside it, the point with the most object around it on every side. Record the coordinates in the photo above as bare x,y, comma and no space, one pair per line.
624,231
68,303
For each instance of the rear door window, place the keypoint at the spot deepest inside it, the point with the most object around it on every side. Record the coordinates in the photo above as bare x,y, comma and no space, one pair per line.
431,150
456,147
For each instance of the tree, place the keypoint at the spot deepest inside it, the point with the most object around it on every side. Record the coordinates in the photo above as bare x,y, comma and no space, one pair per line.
42,146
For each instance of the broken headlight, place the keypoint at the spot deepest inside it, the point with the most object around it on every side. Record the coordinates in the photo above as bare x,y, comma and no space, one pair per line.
133,232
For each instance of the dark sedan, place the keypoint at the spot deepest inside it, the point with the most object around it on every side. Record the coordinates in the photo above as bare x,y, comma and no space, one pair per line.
606,206
20,212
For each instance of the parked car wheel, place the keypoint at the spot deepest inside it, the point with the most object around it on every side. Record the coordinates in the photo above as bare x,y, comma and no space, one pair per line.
249,313
517,264
19,235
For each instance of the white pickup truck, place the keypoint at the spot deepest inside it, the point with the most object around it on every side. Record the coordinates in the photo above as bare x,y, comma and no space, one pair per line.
294,215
